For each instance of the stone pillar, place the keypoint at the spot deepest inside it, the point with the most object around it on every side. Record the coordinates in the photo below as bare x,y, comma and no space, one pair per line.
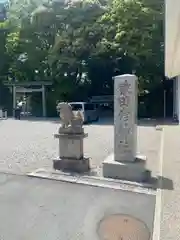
43,101
125,111
124,163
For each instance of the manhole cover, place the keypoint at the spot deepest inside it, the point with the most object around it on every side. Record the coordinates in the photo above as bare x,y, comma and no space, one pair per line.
122,227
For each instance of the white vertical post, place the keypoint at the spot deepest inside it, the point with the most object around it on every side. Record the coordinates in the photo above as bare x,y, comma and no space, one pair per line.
1,113
174,97
164,100
43,101
5,114
14,98
176,104
178,97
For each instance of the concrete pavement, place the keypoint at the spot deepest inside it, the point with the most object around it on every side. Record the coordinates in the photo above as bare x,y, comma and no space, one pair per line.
29,145
168,195
32,208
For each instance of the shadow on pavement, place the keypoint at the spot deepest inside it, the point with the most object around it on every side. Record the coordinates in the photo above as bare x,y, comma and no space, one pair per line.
162,183
140,122
101,121
166,183
107,121
154,122
147,122
39,119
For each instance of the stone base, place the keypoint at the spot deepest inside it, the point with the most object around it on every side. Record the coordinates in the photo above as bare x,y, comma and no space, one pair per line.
130,171
72,165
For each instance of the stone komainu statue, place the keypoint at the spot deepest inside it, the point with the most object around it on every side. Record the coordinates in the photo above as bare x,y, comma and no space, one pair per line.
68,118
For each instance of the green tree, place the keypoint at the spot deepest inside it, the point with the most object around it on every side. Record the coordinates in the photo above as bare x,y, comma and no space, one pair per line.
81,45
135,29
27,44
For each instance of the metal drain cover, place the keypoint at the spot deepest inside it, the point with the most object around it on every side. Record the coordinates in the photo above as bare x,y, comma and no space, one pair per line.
122,227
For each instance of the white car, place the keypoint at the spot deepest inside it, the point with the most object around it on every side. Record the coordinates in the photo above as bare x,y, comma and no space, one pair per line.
88,110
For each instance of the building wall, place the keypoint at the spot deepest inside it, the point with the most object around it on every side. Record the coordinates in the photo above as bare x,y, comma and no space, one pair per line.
176,96
172,38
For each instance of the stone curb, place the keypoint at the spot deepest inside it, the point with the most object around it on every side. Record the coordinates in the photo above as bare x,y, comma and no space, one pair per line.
95,181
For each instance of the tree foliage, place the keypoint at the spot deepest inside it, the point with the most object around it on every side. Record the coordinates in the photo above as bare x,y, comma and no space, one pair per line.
80,45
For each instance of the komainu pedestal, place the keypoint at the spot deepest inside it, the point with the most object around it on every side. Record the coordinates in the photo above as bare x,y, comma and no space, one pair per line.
71,136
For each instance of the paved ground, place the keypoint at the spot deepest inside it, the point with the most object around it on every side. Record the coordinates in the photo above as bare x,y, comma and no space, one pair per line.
169,192
37,209
29,145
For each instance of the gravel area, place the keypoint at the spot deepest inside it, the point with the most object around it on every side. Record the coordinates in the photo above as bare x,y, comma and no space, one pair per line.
27,145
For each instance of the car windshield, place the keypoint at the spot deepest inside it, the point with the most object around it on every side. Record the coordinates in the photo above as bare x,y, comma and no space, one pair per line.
76,106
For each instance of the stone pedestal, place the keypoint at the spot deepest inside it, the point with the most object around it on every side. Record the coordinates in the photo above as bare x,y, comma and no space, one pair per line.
71,155
123,163
130,171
